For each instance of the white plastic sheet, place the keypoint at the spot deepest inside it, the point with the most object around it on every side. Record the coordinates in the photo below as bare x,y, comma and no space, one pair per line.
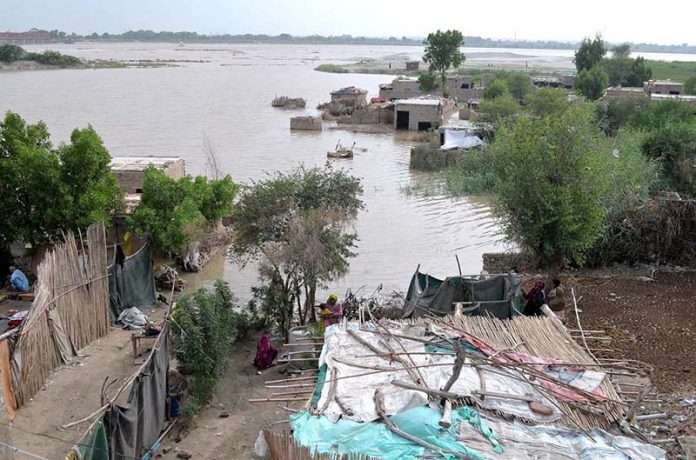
460,139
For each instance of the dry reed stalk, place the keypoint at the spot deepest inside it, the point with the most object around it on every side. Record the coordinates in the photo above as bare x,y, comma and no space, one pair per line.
282,446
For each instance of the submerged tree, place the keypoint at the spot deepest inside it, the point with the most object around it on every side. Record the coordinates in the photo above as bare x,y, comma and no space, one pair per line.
442,52
550,194
297,226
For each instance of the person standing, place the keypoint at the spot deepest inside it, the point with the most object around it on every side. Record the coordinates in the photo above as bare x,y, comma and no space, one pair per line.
332,311
556,297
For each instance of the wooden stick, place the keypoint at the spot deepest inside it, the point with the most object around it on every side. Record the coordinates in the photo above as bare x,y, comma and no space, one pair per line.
446,420
263,400
295,379
295,360
641,418
292,393
299,385
431,391
493,394
379,406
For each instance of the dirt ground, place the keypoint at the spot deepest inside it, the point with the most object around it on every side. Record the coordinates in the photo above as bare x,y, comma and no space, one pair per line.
72,392
213,437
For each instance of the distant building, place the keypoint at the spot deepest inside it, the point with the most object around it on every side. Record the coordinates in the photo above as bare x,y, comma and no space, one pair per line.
350,96
621,92
568,81
418,114
547,82
460,87
412,65
663,87
130,171
20,38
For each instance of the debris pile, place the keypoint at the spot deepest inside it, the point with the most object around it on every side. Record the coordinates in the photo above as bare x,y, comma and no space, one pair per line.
285,102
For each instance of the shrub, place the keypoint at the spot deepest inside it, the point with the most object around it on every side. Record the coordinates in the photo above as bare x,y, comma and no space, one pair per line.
474,174
11,53
205,325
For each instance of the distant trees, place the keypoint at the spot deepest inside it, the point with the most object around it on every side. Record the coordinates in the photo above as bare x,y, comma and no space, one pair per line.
591,83
176,213
690,86
546,101
11,53
46,190
442,51
590,53
497,88
427,81
297,225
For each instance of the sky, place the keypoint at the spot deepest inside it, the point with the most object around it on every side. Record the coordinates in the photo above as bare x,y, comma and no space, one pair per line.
669,22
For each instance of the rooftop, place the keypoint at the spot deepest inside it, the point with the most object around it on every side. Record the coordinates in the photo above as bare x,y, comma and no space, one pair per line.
419,101
140,163
349,90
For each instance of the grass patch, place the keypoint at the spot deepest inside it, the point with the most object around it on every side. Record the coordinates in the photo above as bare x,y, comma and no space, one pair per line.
675,70
331,68
474,174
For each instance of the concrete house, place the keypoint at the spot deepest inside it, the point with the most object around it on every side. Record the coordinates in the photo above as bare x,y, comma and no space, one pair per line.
460,87
418,114
663,87
412,65
350,95
130,172
463,88
400,88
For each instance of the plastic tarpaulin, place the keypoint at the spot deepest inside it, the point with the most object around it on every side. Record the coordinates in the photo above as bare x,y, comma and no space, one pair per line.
132,284
134,428
460,139
375,439
94,446
488,297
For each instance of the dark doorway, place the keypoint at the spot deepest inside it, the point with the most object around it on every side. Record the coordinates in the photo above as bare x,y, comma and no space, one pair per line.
402,118
424,125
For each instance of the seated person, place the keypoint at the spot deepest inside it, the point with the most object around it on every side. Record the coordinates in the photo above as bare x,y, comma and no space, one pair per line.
556,301
534,299
18,280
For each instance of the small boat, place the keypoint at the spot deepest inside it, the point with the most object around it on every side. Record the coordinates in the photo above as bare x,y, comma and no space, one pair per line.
341,152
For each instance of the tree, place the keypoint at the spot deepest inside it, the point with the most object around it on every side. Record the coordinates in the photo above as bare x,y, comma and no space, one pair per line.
45,190
547,101
442,53
621,51
497,88
624,71
520,84
176,213
550,197
297,226
591,83
428,82
500,110
590,53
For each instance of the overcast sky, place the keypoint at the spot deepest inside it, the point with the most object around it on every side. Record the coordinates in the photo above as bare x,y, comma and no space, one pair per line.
666,22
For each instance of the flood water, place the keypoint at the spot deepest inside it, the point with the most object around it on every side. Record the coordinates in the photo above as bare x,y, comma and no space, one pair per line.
169,111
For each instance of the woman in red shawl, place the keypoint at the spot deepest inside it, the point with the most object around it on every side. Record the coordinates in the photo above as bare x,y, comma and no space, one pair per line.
265,353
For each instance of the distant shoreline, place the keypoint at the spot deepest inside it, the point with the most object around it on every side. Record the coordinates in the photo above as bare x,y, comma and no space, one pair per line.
636,48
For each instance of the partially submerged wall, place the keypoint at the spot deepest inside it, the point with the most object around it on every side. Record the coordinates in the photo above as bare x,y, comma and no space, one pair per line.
306,123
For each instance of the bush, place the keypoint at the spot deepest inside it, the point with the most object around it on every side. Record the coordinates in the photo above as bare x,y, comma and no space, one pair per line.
690,86
499,110
11,53
205,326
474,174
546,101
54,58
591,83
331,68
429,157
497,88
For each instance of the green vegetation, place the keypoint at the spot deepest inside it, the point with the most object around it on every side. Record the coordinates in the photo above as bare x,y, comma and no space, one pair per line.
47,190
497,88
690,86
427,81
429,157
297,226
12,53
331,68
591,83
546,101
474,174
205,326
590,53
442,52
675,70
177,212
500,110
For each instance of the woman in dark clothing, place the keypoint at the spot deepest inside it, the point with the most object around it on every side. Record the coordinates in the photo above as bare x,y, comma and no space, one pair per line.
534,299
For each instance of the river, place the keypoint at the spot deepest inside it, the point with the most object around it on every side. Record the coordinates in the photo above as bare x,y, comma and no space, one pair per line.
168,111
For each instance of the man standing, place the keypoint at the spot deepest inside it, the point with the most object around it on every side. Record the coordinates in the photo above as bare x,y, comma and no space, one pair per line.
18,280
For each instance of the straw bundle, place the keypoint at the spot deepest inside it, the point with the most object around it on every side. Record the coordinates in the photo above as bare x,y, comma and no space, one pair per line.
282,446
69,312
543,337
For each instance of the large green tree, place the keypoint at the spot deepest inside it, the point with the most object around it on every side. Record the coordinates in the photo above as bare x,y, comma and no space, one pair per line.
297,225
549,198
622,70
590,53
47,190
442,51
591,83
427,81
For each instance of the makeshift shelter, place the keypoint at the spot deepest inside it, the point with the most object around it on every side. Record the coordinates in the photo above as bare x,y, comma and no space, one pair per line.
457,387
493,296
131,282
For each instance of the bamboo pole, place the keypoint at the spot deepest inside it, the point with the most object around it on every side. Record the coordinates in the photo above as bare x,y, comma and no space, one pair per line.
264,400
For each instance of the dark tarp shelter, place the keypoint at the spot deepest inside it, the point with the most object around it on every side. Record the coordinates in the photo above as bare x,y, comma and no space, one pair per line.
492,296
133,429
132,282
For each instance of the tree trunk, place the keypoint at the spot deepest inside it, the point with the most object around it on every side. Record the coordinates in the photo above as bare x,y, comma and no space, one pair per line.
554,268
443,84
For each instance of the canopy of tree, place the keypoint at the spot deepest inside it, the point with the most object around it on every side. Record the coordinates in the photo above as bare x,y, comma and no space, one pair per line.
297,225
177,212
591,83
590,53
46,190
442,51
